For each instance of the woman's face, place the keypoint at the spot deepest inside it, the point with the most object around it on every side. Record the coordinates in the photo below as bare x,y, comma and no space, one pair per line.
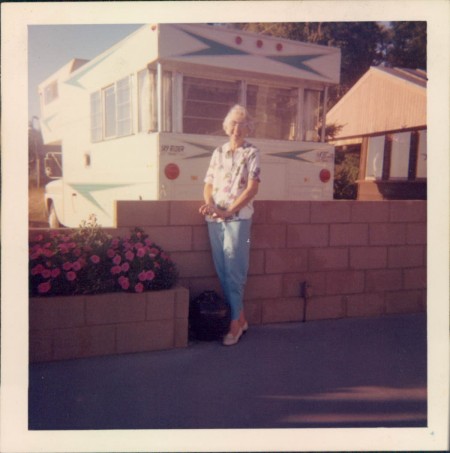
238,128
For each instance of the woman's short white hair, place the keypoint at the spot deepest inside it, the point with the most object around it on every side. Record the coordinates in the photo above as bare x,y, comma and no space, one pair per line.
242,113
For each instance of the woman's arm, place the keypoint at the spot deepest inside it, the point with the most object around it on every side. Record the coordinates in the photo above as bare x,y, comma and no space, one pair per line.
244,198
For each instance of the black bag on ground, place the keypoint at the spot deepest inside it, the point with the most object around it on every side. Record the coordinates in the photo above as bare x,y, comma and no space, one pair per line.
209,316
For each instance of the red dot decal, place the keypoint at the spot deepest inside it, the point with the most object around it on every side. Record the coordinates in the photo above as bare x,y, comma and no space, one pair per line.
259,43
172,171
325,175
279,47
238,40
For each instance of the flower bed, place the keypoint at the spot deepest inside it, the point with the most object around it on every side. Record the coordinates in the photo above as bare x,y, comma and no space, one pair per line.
89,261
93,294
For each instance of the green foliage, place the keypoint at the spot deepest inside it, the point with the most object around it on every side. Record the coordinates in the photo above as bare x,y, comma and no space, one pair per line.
90,261
408,45
346,173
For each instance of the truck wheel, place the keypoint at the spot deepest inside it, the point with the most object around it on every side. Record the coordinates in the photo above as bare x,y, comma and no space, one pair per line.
53,221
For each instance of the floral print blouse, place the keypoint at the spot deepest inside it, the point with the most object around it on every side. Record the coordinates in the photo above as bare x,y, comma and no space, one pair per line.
229,174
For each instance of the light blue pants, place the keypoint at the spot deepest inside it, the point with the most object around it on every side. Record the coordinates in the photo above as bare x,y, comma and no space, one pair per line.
230,243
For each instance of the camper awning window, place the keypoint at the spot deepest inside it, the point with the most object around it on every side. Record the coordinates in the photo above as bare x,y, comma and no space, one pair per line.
274,110
206,103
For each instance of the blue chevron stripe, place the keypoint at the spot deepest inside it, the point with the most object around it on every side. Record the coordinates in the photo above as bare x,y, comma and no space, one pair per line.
214,47
85,190
294,155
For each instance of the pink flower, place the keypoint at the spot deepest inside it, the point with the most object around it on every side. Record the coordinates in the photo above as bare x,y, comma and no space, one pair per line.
71,276
46,273
150,275
44,287
125,267
142,276
64,248
154,252
56,272
37,269
115,243
95,259
116,270
117,259
77,252
141,252
48,253
129,255
110,253
124,282
67,266
139,288
39,238
76,266
138,245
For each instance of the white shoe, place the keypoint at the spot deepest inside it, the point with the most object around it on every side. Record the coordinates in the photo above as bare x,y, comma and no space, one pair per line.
229,339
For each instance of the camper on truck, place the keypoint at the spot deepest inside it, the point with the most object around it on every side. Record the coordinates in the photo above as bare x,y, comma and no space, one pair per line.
141,120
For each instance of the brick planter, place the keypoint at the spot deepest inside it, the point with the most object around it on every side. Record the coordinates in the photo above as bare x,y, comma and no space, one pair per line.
73,327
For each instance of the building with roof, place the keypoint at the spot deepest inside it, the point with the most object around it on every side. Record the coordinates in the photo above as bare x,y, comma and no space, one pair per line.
383,117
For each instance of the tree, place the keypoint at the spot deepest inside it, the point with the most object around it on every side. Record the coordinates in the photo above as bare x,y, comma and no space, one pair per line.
408,45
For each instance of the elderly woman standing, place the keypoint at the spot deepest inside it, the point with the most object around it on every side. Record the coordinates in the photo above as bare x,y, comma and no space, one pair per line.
231,183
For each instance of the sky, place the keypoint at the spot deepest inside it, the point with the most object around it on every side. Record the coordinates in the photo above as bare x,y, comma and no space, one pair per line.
52,46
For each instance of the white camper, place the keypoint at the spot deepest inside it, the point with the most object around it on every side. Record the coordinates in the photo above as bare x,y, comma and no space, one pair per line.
140,121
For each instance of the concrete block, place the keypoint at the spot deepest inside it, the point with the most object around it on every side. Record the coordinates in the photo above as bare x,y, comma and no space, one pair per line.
370,212
285,260
345,282
263,286
367,304
321,259
257,262
383,280
83,342
160,305
200,238
115,308
181,333
292,283
253,310
170,238
181,303
40,346
259,214
408,211
337,211
415,278
387,234
287,212
268,236
349,234
194,264
282,310
416,233
406,256
145,336
56,312
368,257
307,235
142,213
331,307
405,302
185,213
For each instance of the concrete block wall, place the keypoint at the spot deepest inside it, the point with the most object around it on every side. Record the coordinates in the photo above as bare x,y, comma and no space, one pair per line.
359,258
73,327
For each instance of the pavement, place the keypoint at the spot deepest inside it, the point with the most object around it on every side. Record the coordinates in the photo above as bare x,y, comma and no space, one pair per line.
365,372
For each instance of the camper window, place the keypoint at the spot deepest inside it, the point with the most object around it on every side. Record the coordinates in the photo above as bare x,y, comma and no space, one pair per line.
375,152
206,103
96,117
274,110
51,92
147,101
311,115
111,111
